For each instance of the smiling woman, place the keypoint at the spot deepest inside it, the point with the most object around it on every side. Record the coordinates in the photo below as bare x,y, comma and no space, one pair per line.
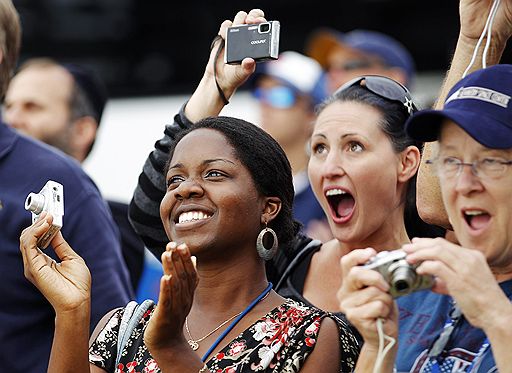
228,202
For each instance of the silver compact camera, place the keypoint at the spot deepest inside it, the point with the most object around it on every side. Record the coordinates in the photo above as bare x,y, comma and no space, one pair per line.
400,275
51,200
257,41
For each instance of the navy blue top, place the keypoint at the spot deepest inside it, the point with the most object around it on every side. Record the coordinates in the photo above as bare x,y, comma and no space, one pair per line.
306,207
27,320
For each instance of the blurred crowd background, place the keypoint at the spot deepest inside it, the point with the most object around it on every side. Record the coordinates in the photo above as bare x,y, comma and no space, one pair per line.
151,55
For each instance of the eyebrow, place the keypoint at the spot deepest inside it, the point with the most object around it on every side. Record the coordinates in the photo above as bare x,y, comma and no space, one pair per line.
342,137
203,163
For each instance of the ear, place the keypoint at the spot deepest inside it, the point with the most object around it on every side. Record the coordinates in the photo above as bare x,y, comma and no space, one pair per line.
271,209
409,163
84,134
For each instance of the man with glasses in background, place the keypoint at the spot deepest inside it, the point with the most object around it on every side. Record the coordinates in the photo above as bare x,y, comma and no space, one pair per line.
287,92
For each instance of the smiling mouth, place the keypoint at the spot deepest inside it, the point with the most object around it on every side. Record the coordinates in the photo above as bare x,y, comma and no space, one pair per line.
341,202
476,219
190,216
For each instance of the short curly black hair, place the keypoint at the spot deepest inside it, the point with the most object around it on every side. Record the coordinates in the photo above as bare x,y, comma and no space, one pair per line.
266,161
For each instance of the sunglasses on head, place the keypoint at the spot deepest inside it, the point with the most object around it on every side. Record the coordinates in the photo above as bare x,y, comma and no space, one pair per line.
384,87
280,97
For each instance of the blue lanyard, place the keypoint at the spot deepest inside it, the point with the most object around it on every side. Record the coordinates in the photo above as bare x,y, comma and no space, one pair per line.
235,321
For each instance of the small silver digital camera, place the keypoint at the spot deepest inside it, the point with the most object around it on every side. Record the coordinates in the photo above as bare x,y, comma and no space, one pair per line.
400,275
51,200
258,41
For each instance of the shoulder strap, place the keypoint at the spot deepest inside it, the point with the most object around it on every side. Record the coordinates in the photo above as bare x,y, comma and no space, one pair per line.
133,313
297,259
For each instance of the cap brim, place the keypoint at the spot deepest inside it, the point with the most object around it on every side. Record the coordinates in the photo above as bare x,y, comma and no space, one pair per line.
425,125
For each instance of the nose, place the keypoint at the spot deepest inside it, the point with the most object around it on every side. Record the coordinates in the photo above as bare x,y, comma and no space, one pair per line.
467,180
189,188
332,167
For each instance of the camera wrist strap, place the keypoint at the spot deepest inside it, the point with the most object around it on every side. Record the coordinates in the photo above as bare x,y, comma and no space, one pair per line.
487,30
219,49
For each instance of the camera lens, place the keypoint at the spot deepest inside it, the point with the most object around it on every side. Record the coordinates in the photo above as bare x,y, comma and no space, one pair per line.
34,203
264,27
403,278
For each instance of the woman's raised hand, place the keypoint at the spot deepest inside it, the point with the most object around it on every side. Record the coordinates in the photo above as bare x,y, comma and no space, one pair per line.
177,287
66,284
230,77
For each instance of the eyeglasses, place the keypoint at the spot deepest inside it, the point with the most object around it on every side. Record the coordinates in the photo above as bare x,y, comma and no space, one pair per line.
451,167
384,87
280,97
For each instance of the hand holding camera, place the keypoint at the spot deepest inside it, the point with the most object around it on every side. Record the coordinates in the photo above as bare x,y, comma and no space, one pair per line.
398,273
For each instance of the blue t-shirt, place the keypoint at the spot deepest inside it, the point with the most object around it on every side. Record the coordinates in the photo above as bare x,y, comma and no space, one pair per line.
27,320
306,207
422,318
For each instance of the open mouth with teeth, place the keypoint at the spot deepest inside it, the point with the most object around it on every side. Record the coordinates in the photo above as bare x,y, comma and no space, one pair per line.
190,216
476,219
341,204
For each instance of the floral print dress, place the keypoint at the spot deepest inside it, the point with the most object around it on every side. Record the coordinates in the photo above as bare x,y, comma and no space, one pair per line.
278,342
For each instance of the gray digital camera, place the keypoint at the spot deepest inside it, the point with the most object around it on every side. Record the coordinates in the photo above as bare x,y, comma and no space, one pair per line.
51,200
257,41
400,275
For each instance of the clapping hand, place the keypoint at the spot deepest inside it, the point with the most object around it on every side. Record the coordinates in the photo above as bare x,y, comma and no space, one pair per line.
177,286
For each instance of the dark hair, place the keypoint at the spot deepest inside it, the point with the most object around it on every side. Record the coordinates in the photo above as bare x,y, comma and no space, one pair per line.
266,161
394,116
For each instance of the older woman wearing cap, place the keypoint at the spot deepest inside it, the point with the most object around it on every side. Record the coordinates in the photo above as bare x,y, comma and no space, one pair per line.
463,323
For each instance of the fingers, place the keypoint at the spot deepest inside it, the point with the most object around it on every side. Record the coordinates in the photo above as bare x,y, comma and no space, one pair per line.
255,16
224,28
356,257
62,248
239,18
177,264
370,311
30,235
363,297
439,249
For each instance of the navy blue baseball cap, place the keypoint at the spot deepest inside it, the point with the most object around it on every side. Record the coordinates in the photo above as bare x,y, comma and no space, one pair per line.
389,50
480,104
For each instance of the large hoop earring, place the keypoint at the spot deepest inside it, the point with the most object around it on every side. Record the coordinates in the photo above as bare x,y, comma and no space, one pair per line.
263,252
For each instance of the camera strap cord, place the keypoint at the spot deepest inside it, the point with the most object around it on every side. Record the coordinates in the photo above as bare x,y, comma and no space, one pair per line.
383,348
217,54
487,30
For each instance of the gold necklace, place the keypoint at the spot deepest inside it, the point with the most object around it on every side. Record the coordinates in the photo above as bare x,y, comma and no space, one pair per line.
194,343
